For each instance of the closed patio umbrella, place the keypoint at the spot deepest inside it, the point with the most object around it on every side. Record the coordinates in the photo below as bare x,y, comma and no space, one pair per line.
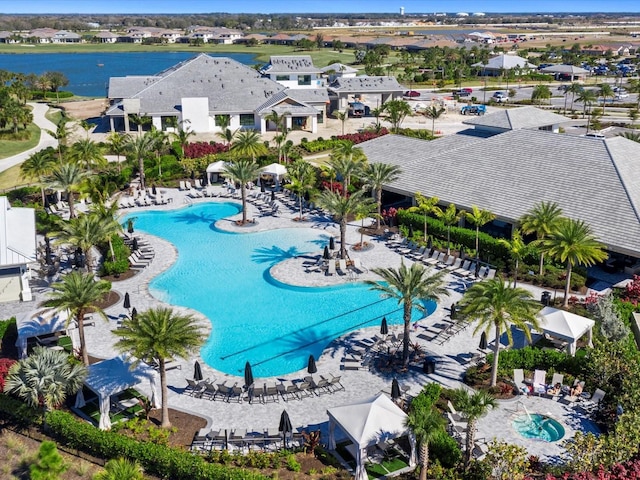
134,246
153,190
273,195
197,371
395,389
127,301
134,313
326,255
332,243
311,365
130,226
262,189
248,375
483,341
285,426
384,328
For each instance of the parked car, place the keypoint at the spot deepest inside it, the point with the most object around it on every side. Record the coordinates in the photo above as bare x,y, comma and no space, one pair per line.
464,92
411,94
500,97
597,135
473,110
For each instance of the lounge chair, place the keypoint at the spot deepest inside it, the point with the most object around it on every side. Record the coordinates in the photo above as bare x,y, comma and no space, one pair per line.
182,185
342,267
335,384
448,262
540,382
331,267
193,388
479,450
593,403
454,413
357,266
557,379
491,273
454,266
417,254
290,391
408,249
518,380
436,257
463,268
304,388
209,391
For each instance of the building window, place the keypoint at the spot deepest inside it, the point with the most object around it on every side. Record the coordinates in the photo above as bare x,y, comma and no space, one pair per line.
304,79
222,120
320,118
282,78
247,120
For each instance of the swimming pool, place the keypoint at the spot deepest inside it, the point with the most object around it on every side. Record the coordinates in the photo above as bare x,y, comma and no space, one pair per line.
255,318
538,427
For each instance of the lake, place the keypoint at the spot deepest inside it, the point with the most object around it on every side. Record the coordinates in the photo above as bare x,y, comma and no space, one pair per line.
89,73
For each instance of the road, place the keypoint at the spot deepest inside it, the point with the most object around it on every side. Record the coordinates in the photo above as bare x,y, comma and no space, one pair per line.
46,140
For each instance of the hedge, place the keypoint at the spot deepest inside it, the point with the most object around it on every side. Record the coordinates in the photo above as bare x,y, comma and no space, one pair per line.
121,263
17,412
489,247
321,145
530,358
160,460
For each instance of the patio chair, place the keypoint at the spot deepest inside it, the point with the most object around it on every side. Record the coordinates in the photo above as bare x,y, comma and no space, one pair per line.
304,388
479,450
454,413
193,388
593,403
290,391
342,267
334,383
454,266
450,260
491,273
357,266
417,254
331,268
200,440
463,268
271,392
431,259
518,380
540,382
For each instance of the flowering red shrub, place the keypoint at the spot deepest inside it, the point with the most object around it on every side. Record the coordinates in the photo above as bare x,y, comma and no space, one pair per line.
201,149
334,186
632,291
620,471
363,137
5,365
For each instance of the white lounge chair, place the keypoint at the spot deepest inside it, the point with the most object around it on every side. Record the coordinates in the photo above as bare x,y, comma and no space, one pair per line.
456,264
357,266
518,380
331,268
182,185
540,382
592,404
342,267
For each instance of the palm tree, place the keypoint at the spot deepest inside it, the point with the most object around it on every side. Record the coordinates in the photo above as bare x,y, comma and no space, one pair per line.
302,178
247,143
120,469
140,146
574,89
87,154
160,334
61,134
426,425
395,113
67,177
377,175
276,119
433,113
517,249
342,116
45,378
540,92
541,220
182,136
573,242
227,136
37,167
492,303
117,143
587,97
86,232
79,293
478,217
110,226
348,161
472,406
424,206
449,217
367,208
605,91
242,171
411,287
341,207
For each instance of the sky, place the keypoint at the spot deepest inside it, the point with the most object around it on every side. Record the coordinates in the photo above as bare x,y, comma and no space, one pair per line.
312,6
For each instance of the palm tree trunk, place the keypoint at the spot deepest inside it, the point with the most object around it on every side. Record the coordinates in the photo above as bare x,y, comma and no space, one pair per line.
163,388
425,228
477,244
470,440
515,273
407,332
541,263
424,460
379,203
343,237
300,202
448,240
567,285
141,170
496,352
243,193
72,210
44,202
83,345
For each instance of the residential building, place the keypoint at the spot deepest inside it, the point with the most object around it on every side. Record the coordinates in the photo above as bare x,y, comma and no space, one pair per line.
293,71
496,66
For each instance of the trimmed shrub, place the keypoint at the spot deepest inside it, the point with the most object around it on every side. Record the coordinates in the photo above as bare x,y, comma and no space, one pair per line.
530,358
201,149
363,136
321,145
121,262
445,450
17,412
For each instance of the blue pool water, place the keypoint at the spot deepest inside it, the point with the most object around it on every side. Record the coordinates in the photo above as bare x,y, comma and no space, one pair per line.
255,318
539,427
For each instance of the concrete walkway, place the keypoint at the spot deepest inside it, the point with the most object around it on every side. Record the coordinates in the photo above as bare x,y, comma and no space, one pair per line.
46,140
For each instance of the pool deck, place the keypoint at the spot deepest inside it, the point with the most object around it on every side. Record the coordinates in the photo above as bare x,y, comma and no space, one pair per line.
451,356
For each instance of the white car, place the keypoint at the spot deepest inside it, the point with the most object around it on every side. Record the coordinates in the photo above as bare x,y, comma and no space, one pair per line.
621,94
500,97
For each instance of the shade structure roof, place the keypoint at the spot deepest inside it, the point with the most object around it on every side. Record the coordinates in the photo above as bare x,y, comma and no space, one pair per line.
274,169
567,69
216,167
370,421
563,324
38,323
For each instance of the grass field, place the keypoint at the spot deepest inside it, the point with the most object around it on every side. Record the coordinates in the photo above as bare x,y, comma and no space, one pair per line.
9,148
11,178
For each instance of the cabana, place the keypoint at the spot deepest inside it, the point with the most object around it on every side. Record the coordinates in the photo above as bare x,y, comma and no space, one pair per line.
367,423
110,377
214,170
275,171
44,323
566,326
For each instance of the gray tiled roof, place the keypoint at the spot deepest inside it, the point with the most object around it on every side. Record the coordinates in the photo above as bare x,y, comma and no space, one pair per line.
366,84
592,180
507,62
230,86
282,64
516,118
125,87
309,95
339,68
282,102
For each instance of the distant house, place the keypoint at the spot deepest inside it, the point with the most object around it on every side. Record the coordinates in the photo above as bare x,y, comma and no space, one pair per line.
17,250
196,91
42,35
224,36
9,37
369,89
496,66
338,70
62,36
293,71
106,37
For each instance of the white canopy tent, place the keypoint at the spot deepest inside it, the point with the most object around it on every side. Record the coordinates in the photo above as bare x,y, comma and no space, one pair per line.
369,422
275,171
214,170
110,377
44,322
566,326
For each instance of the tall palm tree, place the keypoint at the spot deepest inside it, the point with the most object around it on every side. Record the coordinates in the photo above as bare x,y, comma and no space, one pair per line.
87,154
86,232
79,293
517,249
377,175
605,91
182,135
120,469
542,219
434,112
426,425
573,242
574,89
341,207
247,143
276,119
424,206
107,215
540,92
302,179
45,378
242,171
160,334
139,147
117,143
478,218
227,136
37,167
342,116
68,177
61,134
492,303
411,287
472,406
348,161
587,97
450,217
395,113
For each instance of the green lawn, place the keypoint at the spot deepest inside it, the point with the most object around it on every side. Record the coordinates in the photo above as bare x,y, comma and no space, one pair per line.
11,178
9,148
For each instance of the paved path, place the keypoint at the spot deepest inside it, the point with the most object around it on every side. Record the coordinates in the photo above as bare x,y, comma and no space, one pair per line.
46,140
